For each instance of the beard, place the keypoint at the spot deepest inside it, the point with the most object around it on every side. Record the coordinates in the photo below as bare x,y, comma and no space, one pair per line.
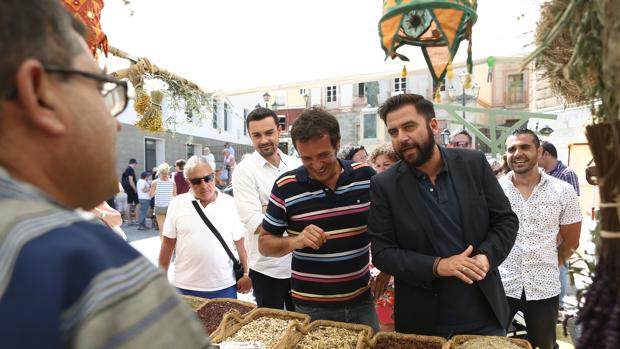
530,164
425,150
265,152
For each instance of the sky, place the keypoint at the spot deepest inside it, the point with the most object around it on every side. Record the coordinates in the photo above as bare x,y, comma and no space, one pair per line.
238,44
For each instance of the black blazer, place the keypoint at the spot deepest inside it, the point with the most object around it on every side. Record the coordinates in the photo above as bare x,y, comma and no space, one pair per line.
403,243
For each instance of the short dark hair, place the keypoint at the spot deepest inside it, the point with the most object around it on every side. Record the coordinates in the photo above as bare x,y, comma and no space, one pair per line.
314,123
259,114
464,132
422,105
349,151
39,29
133,161
549,148
180,164
526,131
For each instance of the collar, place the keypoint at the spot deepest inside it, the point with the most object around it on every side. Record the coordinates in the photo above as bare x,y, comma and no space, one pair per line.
302,175
444,167
12,188
544,177
558,167
263,162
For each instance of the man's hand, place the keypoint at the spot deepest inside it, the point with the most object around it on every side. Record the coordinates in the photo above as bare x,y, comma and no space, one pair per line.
312,236
378,284
244,284
483,262
462,266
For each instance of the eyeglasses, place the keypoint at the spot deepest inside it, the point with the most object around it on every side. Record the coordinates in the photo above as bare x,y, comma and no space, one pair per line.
114,91
460,144
206,179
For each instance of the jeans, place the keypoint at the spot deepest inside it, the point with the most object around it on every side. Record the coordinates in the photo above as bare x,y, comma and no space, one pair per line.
361,312
229,292
144,208
564,282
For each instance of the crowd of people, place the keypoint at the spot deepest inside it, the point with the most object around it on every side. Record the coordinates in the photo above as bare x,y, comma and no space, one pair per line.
329,233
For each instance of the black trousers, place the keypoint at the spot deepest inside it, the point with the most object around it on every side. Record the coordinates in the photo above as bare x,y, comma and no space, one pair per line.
541,317
271,292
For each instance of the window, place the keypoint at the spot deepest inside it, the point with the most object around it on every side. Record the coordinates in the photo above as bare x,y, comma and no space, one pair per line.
245,122
190,150
225,117
361,89
331,94
400,85
150,154
516,87
215,116
303,91
370,126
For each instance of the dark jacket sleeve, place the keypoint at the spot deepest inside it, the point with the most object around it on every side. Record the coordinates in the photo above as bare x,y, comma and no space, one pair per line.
408,266
503,222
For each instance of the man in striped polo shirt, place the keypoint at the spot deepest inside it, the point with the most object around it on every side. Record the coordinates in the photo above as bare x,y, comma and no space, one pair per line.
67,281
323,207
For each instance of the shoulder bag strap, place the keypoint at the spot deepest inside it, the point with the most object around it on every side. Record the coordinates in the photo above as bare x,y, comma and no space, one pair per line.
214,231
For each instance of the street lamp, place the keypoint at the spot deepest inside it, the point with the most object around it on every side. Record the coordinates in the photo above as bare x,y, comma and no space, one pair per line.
545,131
475,91
275,105
306,99
266,98
445,136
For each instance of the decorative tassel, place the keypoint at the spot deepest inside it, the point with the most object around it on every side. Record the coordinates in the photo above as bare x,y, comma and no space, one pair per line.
152,119
438,96
467,83
141,100
403,73
450,72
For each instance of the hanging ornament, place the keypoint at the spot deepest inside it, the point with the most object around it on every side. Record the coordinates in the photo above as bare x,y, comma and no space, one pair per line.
89,12
403,73
467,83
450,72
438,27
490,65
152,119
438,95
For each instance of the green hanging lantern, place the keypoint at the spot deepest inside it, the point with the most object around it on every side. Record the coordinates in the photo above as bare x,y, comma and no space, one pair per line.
438,27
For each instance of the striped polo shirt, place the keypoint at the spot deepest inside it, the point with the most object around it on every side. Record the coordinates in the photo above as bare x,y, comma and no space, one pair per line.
338,272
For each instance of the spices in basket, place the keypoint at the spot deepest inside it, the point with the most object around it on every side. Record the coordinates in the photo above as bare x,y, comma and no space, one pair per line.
488,343
266,330
194,302
327,337
404,343
212,313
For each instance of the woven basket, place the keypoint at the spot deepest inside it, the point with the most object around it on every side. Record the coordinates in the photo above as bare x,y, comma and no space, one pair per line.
301,330
226,300
194,302
410,339
233,322
456,340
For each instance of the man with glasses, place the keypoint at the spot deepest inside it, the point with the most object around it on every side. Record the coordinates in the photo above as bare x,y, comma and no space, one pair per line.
461,139
202,267
66,281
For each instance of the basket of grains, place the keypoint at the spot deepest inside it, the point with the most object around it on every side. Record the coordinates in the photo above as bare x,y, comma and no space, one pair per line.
394,340
213,310
486,342
269,326
324,334
194,302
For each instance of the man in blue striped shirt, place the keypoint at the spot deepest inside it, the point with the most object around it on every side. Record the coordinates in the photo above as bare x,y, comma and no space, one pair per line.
67,281
323,207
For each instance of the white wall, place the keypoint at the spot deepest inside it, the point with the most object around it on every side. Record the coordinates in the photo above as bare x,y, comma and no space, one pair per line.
346,95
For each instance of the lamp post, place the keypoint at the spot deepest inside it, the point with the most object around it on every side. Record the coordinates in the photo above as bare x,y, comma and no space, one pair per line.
445,136
475,91
306,99
266,98
545,131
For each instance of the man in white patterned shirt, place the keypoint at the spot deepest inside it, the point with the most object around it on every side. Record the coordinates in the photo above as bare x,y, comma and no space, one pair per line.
546,207
252,184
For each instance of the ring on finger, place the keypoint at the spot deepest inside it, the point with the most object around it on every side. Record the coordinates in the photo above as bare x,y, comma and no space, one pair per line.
463,269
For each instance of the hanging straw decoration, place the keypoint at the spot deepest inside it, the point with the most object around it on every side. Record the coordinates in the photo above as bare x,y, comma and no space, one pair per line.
142,100
152,119
450,71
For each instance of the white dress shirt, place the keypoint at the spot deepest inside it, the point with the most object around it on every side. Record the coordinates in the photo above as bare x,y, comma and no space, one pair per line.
532,265
252,183
201,262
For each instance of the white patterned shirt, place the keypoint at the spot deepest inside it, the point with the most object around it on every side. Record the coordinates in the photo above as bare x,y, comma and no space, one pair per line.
532,265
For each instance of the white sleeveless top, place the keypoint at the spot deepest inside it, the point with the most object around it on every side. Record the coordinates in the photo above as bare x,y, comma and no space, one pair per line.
163,192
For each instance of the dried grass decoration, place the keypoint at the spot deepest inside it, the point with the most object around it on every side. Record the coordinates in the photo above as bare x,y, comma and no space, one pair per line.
558,60
142,100
152,119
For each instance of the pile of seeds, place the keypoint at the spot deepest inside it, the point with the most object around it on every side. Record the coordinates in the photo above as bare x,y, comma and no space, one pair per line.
404,343
194,302
326,337
488,343
212,313
267,330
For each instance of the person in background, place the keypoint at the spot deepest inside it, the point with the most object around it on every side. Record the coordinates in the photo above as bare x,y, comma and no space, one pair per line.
546,207
230,149
355,153
129,182
179,178
144,198
206,152
68,281
163,190
121,200
461,139
383,157
229,164
202,266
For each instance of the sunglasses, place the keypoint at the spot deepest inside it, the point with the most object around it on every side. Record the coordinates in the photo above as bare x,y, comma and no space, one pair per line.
460,144
206,179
